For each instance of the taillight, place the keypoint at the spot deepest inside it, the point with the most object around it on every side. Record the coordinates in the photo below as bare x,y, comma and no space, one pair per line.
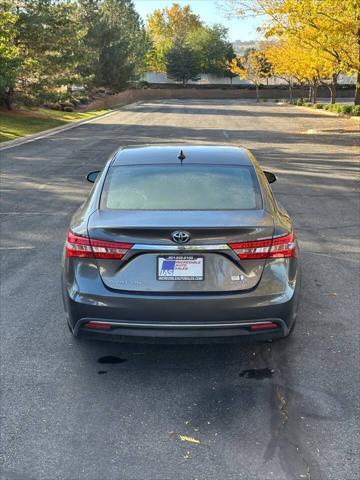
283,247
251,250
109,249
279,247
77,246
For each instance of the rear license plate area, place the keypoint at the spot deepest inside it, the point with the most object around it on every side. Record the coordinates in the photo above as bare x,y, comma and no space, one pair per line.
180,268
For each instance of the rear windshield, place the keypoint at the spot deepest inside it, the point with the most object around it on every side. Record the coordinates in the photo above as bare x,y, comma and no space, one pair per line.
181,187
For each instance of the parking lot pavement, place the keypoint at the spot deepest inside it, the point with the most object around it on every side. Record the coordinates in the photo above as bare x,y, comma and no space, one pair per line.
94,411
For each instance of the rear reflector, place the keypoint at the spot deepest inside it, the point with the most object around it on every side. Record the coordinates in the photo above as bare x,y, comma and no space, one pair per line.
264,326
279,247
98,326
77,246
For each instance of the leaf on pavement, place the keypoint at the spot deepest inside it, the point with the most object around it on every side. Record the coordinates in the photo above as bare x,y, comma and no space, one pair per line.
186,438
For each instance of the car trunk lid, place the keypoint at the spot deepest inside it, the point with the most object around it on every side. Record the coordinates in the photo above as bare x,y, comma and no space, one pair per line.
207,254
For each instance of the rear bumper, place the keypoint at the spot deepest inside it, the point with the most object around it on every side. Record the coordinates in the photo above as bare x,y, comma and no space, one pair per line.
196,330
183,315
195,315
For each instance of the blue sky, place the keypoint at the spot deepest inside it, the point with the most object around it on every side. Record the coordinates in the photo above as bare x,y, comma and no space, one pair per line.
210,13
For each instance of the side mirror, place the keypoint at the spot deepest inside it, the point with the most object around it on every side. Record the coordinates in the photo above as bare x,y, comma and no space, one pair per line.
271,177
92,176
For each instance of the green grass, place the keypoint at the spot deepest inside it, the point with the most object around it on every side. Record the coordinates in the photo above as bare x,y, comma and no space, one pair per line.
26,122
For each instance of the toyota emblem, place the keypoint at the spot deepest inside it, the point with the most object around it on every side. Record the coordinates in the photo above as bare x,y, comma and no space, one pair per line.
180,237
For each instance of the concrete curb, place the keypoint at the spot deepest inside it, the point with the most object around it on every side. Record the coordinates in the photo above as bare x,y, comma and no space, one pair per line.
53,131
325,112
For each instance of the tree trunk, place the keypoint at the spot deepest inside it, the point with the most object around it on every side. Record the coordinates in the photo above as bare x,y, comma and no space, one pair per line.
314,92
302,92
290,93
357,91
310,93
8,98
257,92
332,89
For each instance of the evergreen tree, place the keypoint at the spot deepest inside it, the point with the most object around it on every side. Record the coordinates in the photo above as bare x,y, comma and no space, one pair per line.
182,63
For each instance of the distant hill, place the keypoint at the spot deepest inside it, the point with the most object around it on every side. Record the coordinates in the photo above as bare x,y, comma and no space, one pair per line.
240,47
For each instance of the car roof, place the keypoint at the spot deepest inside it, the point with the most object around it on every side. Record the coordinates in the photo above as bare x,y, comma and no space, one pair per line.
161,154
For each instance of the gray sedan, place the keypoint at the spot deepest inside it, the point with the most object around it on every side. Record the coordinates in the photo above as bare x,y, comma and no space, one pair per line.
180,242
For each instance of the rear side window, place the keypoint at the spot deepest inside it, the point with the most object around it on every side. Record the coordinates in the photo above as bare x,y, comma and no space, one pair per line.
181,187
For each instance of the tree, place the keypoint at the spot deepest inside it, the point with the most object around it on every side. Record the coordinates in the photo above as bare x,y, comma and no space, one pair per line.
296,64
332,28
123,43
49,38
212,48
46,45
182,63
116,42
10,59
253,66
284,58
164,27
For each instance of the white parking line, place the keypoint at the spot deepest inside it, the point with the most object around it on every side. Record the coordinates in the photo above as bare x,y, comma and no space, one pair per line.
226,135
16,248
33,213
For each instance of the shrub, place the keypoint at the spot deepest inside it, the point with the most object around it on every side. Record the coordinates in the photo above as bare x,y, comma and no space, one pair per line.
327,106
84,100
143,84
299,102
307,104
67,104
356,110
68,109
26,99
319,106
346,109
54,106
75,101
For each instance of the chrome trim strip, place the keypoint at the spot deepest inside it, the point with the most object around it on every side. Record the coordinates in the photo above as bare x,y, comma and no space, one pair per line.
179,248
178,325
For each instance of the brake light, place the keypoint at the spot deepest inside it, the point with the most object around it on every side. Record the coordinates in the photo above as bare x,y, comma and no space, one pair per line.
109,249
279,247
283,247
77,246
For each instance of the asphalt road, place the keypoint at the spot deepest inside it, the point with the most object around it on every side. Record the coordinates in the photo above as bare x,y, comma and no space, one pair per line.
292,415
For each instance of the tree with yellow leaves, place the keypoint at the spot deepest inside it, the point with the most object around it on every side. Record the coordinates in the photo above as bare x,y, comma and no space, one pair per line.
166,25
296,64
329,27
253,66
